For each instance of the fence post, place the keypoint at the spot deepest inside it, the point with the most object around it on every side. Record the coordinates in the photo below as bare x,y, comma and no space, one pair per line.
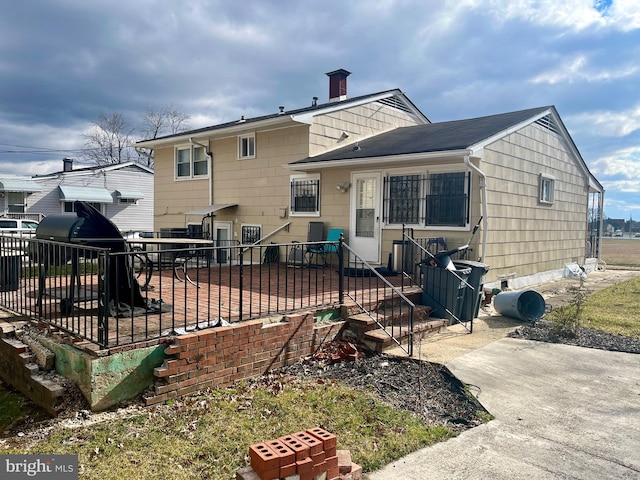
341,269
241,284
103,299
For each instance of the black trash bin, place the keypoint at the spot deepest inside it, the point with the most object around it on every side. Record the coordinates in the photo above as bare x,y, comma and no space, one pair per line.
473,298
444,290
10,272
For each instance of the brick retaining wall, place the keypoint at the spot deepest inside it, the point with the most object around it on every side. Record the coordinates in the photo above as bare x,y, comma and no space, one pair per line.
223,355
18,369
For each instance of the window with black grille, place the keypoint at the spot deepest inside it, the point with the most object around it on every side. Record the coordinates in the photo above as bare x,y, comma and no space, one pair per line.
305,195
447,199
436,199
251,234
404,199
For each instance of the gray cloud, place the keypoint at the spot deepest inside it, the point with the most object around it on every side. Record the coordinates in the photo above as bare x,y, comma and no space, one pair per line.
64,62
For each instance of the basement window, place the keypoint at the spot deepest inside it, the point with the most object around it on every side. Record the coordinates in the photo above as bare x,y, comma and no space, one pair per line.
547,187
251,234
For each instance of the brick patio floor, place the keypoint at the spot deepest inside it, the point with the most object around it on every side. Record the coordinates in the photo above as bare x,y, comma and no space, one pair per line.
208,294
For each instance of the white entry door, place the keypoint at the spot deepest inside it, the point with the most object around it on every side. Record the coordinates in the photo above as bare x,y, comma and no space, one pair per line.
222,237
364,228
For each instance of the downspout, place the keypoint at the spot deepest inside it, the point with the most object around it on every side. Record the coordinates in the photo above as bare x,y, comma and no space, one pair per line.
483,195
209,166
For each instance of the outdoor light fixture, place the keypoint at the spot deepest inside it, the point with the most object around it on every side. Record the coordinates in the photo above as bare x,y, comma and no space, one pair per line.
342,188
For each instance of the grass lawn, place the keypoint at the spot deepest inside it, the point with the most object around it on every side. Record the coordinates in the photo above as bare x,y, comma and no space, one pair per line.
615,309
13,406
208,435
621,252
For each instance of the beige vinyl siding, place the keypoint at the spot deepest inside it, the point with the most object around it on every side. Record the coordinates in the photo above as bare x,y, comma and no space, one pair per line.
358,122
173,198
260,186
525,236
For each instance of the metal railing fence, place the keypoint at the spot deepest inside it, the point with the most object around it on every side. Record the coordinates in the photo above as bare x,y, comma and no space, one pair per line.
115,298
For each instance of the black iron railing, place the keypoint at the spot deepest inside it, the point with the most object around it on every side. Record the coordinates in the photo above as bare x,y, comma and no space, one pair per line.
152,291
444,289
378,298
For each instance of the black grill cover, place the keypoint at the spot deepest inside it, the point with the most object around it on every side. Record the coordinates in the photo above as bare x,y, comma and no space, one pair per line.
89,227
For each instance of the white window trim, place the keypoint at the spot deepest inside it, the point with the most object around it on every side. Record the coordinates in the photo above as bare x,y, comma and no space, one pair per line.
292,178
191,175
242,226
551,180
426,171
243,137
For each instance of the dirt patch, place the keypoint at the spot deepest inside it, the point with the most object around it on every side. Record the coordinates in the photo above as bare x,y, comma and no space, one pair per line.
427,390
542,331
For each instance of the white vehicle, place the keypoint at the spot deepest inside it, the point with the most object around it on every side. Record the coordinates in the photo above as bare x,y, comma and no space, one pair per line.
14,235
20,226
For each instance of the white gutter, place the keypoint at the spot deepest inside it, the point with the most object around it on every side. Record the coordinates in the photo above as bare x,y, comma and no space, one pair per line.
391,160
209,166
483,194
239,127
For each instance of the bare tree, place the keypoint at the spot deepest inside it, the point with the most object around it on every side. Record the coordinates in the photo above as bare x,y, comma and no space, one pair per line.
109,141
169,120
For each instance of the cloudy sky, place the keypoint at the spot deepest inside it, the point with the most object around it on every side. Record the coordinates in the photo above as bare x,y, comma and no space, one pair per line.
65,62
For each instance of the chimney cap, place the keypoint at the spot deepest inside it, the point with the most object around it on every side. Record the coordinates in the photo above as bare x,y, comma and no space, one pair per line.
67,164
342,71
338,85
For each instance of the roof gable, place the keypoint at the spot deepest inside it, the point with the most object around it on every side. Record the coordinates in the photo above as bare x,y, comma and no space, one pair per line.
433,137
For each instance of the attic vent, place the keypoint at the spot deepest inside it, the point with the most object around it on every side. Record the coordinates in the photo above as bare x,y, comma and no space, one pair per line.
395,102
548,123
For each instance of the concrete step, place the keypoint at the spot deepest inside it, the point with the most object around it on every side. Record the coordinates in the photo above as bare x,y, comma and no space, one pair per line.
379,340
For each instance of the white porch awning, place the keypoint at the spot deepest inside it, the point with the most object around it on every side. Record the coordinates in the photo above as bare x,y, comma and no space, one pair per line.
19,185
131,194
210,209
70,193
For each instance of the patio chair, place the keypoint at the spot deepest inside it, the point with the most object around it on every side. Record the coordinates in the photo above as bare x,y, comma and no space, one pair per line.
333,236
315,234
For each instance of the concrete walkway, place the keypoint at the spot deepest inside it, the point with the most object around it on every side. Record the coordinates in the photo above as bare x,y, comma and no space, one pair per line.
560,412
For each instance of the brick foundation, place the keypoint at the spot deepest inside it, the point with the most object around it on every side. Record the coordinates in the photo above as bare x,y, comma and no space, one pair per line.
221,356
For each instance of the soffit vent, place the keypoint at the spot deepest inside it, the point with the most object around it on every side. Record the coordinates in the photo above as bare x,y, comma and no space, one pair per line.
548,123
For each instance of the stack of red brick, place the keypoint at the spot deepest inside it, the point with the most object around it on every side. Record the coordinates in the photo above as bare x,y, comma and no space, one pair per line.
310,455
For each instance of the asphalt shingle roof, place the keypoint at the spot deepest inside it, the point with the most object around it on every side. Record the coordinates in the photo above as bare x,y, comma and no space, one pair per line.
434,137
297,111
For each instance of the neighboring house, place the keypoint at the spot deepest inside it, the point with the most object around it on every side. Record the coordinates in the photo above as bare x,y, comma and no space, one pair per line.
374,163
122,192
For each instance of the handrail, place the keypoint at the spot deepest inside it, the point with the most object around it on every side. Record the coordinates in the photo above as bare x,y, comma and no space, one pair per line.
380,277
395,293
450,272
268,235
424,250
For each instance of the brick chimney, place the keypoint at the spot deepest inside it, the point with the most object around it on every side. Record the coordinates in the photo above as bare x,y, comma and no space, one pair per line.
67,164
338,85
